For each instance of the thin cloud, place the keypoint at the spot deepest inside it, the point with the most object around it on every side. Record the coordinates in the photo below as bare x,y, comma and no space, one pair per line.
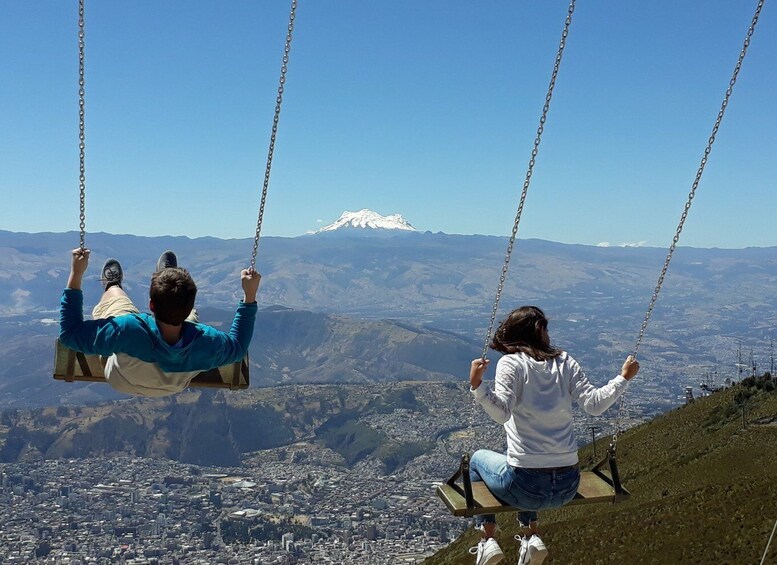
624,244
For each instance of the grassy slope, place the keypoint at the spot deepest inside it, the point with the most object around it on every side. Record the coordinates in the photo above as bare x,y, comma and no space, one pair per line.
702,493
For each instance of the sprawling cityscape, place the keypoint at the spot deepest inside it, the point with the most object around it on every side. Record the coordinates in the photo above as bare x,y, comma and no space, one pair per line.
296,504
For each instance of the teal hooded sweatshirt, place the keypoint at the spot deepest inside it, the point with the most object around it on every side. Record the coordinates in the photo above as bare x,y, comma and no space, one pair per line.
138,336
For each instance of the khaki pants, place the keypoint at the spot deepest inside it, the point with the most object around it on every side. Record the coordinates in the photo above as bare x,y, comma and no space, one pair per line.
116,303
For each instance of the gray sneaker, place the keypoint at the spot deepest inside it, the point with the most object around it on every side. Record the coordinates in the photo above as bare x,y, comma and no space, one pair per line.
167,260
111,274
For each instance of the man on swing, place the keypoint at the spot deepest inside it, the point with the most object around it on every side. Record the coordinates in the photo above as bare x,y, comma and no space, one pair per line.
159,354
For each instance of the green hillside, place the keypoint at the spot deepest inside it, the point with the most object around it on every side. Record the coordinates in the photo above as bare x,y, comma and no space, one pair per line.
704,491
206,427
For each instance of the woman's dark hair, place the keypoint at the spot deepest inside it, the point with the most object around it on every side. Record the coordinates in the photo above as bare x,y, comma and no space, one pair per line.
525,330
172,291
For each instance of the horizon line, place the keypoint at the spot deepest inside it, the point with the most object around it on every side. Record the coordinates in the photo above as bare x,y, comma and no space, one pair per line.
398,233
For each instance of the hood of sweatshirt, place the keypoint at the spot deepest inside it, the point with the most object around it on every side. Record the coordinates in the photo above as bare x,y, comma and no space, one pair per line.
164,351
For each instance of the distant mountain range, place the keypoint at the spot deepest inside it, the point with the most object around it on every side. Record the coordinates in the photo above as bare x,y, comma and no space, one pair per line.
363,308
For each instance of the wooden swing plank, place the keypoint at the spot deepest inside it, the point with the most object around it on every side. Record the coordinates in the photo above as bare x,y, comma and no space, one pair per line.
73,366
594,488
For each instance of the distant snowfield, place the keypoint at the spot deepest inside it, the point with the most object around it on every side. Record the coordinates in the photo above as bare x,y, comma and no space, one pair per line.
367,219
624,244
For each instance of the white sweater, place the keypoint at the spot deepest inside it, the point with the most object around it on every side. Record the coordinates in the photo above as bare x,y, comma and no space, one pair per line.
533,400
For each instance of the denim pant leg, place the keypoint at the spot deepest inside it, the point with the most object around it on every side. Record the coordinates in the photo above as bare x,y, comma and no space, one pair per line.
527,489
550,489
526,517
492,468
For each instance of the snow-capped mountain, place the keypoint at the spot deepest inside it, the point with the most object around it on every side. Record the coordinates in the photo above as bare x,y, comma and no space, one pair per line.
369,220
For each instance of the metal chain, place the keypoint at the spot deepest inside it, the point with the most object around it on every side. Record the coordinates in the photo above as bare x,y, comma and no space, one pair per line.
81,126
527,181
691,195
618,423
276,118
529,172
699,173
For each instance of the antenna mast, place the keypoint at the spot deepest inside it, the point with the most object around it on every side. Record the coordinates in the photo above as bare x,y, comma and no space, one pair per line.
753,366
739,358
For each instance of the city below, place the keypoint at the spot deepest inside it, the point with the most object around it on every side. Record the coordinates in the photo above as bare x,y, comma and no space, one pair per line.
297,504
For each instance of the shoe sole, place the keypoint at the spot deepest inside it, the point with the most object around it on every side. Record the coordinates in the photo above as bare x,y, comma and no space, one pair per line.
538,557
160,266
108,282
494,559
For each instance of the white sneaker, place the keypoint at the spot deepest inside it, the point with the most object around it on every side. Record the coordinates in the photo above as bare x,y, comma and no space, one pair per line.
523,551
537,550
532,551
488,552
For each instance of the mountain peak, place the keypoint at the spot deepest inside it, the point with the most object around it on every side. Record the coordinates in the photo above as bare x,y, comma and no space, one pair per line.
367,219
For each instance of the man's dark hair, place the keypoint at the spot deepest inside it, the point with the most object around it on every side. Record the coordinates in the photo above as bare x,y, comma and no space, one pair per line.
525,330
172,291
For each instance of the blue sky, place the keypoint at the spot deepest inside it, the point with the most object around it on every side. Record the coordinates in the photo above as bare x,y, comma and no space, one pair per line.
427,109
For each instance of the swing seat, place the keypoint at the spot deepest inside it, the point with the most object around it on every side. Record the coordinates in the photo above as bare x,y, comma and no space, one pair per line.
70,366
468,499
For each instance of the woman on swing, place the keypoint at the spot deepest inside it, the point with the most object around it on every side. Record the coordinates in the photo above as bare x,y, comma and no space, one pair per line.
534,389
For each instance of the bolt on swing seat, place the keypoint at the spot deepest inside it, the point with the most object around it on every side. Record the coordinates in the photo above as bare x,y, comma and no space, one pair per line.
468,498
70,366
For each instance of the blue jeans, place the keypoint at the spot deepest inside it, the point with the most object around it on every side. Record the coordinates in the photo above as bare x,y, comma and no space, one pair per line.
527,489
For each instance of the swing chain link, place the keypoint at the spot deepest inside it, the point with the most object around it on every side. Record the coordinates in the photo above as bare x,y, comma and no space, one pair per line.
524,192
81,127
618,423
699,173
529,172
276,118
691,195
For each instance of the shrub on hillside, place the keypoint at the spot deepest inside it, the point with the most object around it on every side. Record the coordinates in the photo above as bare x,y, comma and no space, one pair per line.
749,391
765,382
